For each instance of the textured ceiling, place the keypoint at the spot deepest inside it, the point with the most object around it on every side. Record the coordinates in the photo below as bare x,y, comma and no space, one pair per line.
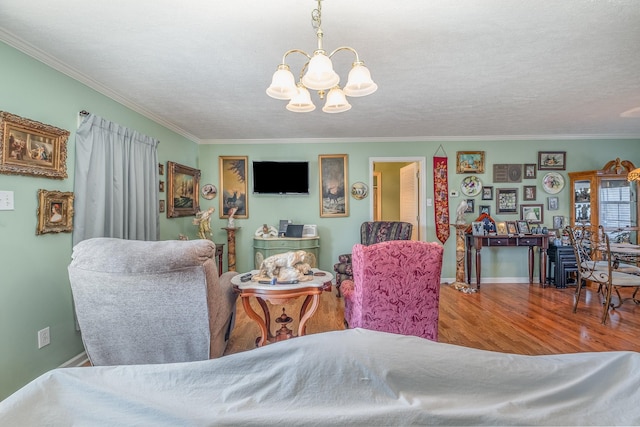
445,68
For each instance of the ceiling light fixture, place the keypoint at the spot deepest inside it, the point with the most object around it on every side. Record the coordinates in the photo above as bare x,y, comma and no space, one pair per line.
320,77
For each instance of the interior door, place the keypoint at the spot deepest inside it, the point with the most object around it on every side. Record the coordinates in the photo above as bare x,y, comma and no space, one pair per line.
410,197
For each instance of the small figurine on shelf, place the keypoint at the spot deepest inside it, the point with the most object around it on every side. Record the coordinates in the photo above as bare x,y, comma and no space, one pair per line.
231,221
203,221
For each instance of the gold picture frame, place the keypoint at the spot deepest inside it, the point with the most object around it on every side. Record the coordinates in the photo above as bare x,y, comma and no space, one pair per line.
32,148
233,186
55,212
333,171
470,162
183,190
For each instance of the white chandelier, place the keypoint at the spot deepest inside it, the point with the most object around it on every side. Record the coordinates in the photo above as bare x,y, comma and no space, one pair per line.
320,76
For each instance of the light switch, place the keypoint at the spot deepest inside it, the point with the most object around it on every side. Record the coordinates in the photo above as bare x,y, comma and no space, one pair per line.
6,200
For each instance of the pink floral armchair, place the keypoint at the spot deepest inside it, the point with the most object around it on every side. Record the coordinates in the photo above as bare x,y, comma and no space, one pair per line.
371,232
395,288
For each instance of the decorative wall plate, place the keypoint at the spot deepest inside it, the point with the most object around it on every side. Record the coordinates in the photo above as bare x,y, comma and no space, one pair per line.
359,190
553,183
209,191
471,186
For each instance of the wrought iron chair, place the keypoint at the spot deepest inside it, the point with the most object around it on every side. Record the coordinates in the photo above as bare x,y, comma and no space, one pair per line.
597,264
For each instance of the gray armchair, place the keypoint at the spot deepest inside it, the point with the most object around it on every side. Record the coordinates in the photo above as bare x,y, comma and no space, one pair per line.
143,302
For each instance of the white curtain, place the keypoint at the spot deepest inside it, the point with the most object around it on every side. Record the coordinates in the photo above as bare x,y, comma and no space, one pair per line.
116,180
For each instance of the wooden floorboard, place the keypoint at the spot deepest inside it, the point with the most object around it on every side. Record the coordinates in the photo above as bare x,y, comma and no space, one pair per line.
512,318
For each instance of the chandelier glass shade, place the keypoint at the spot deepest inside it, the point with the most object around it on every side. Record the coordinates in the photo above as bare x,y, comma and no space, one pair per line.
318,75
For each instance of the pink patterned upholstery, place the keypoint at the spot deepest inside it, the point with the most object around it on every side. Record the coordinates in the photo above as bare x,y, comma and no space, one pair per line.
395,288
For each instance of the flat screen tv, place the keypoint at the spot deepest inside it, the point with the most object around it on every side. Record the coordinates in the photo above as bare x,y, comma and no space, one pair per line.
281,177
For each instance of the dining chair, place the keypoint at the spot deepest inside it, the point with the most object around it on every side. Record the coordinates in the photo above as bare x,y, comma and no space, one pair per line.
597,264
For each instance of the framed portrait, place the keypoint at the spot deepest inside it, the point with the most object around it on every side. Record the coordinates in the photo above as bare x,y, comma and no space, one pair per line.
529,192
55,212
32,148
160,169
558,222
487,193
532,213
507,172
501,228
233,186
507,200
530,171
485,209
477,228
523,227
553,203
552,160
161,206
470,206
183,190
161,186
512,227
333,170
470,162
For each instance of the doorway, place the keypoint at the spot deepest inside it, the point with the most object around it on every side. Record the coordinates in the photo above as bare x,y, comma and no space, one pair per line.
399,187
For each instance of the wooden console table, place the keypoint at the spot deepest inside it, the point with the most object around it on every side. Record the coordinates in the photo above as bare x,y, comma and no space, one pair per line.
529,240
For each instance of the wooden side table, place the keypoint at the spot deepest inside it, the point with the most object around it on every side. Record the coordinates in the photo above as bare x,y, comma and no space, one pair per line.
280,294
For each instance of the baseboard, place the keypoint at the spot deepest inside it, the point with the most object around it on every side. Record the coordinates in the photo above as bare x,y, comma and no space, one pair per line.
77,361
484,280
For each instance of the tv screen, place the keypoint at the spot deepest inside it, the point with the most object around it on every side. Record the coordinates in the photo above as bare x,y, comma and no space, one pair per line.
281,177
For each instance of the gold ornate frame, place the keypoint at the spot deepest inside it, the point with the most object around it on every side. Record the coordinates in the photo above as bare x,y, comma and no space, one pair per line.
183,190
55,212
470,162
32,148
234,190
333,170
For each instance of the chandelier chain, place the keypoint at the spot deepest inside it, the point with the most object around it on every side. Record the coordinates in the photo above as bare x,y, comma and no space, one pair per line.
316,16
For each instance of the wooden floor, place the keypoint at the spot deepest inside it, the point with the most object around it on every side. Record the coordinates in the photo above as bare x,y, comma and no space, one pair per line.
513,318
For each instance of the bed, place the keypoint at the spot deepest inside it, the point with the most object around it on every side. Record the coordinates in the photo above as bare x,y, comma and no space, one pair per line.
351,377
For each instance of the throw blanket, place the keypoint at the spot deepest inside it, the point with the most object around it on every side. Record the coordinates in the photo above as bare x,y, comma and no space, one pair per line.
352,377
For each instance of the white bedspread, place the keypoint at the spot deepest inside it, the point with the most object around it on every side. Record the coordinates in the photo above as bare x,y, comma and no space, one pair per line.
353,377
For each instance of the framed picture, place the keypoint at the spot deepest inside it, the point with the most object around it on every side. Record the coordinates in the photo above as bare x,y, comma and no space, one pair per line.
529,192
477,228
55,212
501,228
532,213
161,206
529,170
507,172
552,160
183,190
333,185
160,169
161,186
558,222
233,186
485,209
32,148
470,162
523,227
470,206
487,193
512,227
553,203
507,200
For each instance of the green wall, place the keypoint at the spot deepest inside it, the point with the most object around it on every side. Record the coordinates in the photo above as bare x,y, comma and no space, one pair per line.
34,288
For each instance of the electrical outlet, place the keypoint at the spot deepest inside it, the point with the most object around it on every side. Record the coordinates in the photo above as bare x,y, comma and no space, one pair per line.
44,337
